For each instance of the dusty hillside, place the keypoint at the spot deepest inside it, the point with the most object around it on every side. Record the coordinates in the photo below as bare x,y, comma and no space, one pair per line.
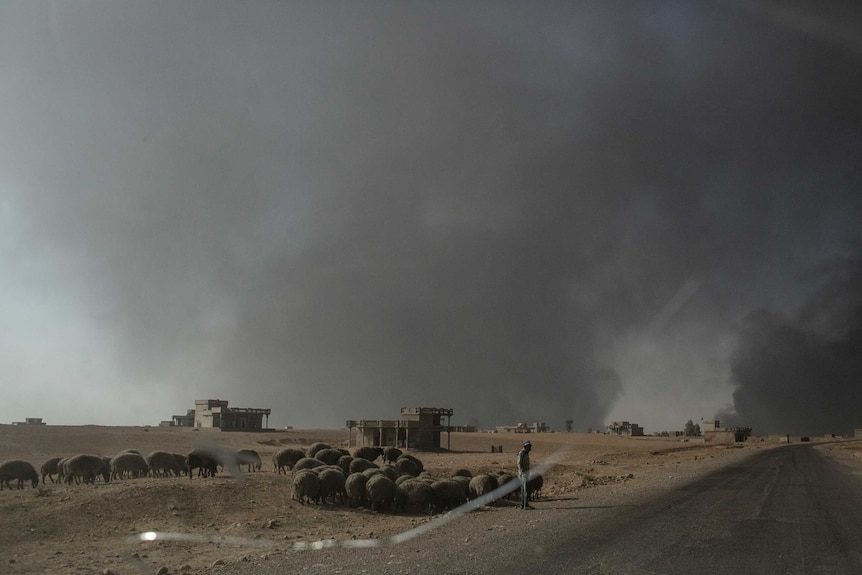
91,528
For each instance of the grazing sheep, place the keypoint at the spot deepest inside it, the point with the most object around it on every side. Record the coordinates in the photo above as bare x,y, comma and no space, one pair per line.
482,485
163,464
402,478
381,492
354,486
420,496
464,482
358,465
368,452
450,494
20,470
182,462
406,467
315,447
306,486
534,486
204,461
332,482
248,457
284,460
344,463
389,471
307,463
415,460
128,464
107,462
49,468
391,454
502,479
372,471
86,467
329,456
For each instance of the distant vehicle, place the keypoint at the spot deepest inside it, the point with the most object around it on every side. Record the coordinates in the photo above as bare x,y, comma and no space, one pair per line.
806,438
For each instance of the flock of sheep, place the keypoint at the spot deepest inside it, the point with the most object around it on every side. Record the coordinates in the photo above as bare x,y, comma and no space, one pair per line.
321,474
126,464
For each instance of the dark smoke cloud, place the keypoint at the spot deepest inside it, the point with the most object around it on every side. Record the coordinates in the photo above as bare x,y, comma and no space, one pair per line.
340,210
800,374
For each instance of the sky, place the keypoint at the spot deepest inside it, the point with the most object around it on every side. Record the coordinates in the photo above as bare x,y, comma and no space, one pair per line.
588,211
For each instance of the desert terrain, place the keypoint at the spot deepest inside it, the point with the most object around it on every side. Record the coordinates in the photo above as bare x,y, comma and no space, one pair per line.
229,519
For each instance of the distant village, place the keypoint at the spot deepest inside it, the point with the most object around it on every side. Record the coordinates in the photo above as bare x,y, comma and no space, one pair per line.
425,428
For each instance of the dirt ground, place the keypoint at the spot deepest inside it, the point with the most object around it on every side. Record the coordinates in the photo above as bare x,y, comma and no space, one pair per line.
251,518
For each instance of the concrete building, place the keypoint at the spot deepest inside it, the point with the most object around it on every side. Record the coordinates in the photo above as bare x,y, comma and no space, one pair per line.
30,421
417,428
725,435
625,428
215,414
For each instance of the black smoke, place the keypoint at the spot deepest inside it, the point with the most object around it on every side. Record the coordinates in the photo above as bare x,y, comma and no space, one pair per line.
336,210
801,373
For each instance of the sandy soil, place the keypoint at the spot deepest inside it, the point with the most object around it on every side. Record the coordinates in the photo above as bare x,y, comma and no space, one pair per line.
251,518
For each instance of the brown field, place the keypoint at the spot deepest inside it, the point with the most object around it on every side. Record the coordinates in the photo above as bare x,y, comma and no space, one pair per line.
91,528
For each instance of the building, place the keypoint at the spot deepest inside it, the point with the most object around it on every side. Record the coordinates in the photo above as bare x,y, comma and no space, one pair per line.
30,421
417,428
521,427
187,420
215,414
625,428
709,425
717,434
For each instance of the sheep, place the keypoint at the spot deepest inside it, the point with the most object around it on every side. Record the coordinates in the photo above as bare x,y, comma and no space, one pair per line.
368,452
354,486
204,461
307,463
182,462
391,454
389,471
49,468
381,492
332,482
306,486
163,464
462,473
285,459
20,470
420,496
534,486
344,463
464,482
449,493
86,466
402,478
358,465
248,457
107,463
372,471
482,485
406,467
329,456
503,478
315,447
128,463
413,459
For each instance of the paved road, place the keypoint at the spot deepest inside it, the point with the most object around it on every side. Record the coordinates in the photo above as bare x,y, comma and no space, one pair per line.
788,510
